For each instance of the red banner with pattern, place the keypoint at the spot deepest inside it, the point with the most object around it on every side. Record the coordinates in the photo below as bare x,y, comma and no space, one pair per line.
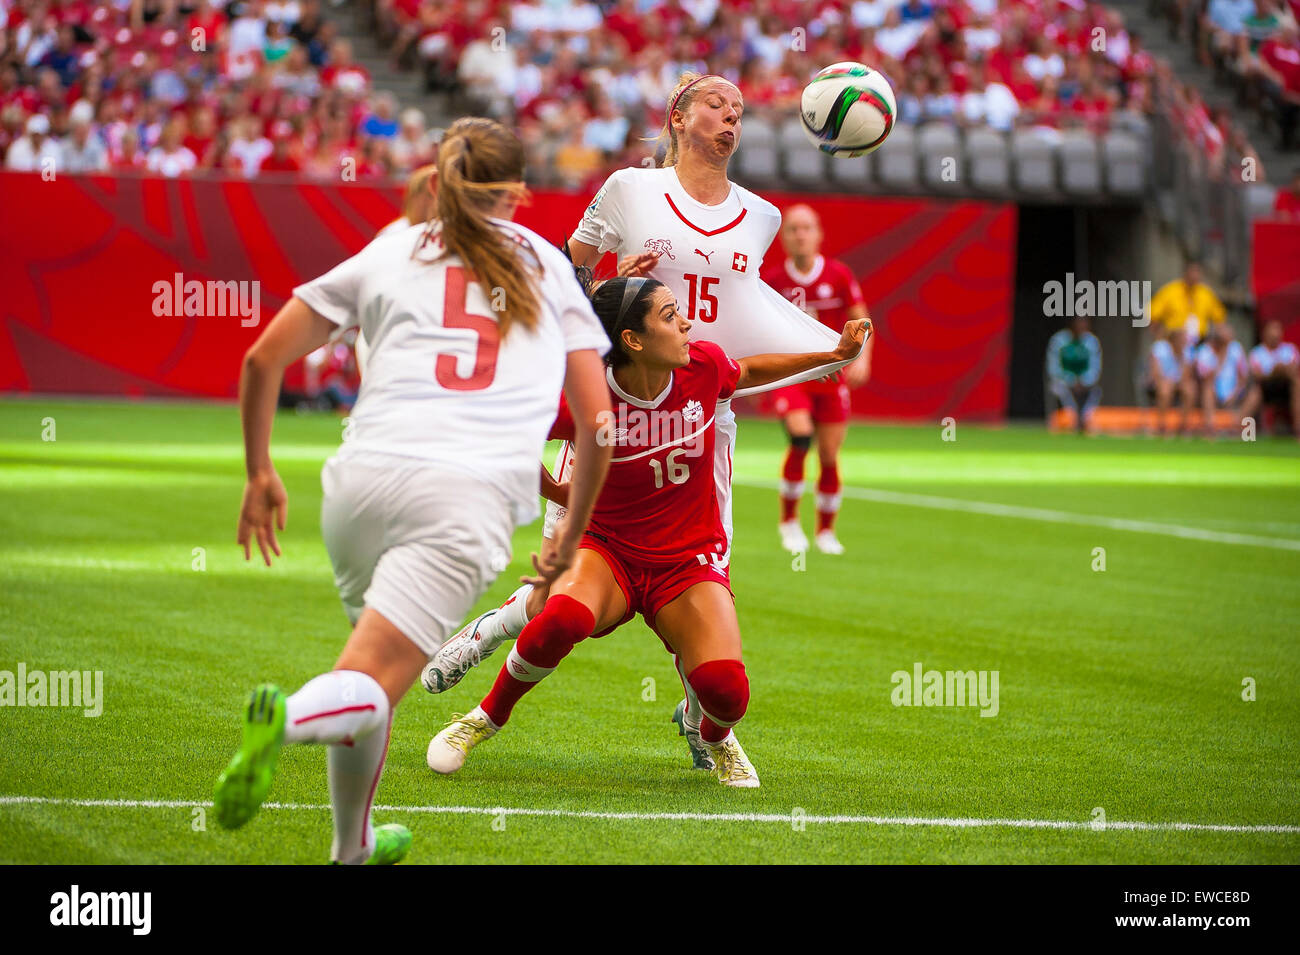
91,268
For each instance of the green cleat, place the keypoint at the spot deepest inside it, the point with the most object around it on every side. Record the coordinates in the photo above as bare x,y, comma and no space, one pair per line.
392,843
701,758
243,785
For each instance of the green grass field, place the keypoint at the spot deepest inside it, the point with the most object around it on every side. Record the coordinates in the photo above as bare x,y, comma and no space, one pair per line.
1119,689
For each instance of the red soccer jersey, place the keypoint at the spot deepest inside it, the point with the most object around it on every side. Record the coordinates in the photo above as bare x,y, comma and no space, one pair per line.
827,292
658,504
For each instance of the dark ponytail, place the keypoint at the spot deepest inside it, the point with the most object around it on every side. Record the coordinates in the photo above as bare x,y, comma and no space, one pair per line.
623,307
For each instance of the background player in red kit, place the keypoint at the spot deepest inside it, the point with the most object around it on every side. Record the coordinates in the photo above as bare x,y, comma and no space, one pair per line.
655,543
827,290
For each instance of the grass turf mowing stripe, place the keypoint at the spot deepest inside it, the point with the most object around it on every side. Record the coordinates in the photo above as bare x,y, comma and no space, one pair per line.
1044,514
681,816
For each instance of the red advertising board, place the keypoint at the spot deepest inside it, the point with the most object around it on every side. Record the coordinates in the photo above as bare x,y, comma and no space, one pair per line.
89,264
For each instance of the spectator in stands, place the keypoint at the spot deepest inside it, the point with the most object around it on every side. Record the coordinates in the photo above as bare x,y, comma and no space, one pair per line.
986,103
487,70
413,146
1287,203
281,158
35,151
1278,66
1169,375
1074,370
248,148
382,122
128,156
1224,377
1275,368
1223,28
82,150
169,158
1188,303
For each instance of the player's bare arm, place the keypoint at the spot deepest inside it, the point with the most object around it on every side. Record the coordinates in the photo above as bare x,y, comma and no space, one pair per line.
294,332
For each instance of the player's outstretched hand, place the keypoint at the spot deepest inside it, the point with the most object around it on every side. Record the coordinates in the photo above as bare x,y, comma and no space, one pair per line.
855,333
265,507
637,264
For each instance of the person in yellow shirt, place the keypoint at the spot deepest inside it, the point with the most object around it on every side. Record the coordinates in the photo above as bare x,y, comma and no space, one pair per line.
1188,303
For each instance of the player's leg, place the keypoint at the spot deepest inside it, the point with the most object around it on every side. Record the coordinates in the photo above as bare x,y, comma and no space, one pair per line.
1164,395
481,637
1291,387
1209,404
589,598
701,628
796,418
831,414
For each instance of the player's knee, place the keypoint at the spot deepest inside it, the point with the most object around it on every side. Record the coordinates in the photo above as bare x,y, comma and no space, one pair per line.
801,441
562,623
723,690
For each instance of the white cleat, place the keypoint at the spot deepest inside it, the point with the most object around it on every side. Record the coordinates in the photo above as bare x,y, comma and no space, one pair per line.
449,749
793,538
828,543
733,766
457,656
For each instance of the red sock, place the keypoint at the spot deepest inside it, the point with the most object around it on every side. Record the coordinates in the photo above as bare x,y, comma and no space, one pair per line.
723,691
548,638
828,497
792,481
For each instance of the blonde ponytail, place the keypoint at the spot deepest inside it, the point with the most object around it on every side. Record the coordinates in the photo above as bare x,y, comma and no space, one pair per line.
480,163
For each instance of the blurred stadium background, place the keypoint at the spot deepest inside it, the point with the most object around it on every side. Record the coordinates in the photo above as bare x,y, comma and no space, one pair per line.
265,141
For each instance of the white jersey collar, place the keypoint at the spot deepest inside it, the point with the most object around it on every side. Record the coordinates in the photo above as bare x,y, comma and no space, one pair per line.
811,276
637,402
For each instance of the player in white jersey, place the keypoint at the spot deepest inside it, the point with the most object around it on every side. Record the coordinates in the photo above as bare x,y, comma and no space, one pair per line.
1169,375
1225,377
476,325
1275,366
687,225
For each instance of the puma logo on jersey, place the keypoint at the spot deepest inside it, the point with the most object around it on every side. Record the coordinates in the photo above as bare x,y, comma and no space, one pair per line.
704,255
660,247
693,411
739,261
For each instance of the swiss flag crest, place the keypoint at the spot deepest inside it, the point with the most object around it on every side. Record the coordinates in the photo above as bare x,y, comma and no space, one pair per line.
739,261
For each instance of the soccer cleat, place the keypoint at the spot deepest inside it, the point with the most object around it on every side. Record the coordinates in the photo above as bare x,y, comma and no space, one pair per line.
392,843
793,538
449,749
466,649
828,543
243,785
733,766
701,758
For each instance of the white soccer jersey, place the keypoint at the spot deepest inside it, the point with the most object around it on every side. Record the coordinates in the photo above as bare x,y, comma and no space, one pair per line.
440,385
710,256
1263,359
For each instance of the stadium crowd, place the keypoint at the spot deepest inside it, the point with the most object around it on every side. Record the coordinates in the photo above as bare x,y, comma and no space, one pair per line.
252,87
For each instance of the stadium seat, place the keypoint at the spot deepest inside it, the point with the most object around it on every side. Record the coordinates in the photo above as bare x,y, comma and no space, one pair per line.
939,146
1034,152
1080,164
853,173
759,160
988,162
804,164
1125,163
896,163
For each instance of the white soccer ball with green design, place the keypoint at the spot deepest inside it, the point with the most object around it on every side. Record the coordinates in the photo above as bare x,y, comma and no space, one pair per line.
848,109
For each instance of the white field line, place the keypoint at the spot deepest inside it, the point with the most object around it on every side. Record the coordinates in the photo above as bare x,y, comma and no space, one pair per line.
786,818
1044,514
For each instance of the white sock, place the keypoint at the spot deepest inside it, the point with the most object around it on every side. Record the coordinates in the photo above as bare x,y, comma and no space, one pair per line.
694,713
354,773
509,622
337,706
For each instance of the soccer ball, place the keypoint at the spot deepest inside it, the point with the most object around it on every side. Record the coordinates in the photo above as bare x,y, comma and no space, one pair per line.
848,109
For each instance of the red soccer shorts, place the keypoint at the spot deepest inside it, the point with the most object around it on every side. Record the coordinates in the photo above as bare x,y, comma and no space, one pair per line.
827,402
648,589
